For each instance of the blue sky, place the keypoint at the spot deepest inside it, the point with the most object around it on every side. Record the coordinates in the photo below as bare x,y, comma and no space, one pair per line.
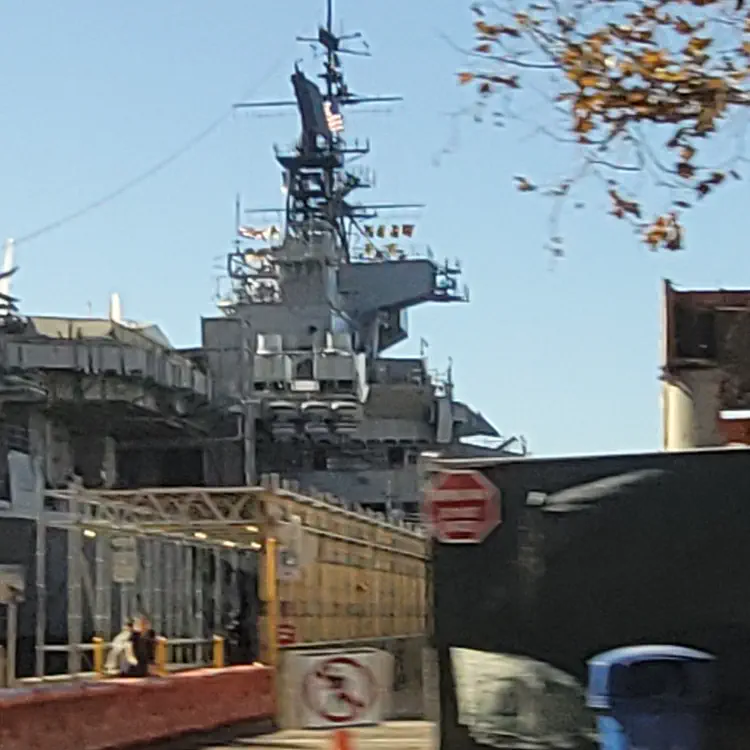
95,93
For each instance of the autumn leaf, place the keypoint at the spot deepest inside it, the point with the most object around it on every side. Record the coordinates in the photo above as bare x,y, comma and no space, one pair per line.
614,88
687,153
698,44
675,240
509,81
588,81
522,19
653,59
681,26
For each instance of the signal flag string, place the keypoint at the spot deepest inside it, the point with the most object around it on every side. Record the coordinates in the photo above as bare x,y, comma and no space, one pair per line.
150,172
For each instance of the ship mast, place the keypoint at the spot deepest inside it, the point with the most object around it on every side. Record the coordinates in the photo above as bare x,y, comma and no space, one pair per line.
316,176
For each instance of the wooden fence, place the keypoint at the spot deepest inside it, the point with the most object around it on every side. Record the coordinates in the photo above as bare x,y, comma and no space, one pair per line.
364,578
361,578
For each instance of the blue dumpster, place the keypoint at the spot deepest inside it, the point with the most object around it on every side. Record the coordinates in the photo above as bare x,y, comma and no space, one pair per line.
651,697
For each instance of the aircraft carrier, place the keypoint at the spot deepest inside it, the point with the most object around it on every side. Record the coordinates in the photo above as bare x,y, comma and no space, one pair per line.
292,376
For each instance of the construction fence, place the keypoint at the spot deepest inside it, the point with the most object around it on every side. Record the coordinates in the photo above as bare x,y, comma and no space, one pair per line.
358,578
283,568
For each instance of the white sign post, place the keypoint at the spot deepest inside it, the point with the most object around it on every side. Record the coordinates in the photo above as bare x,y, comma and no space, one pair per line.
12,589
342,688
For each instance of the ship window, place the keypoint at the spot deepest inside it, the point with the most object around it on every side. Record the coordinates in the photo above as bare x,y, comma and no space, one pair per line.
395,457
304,370
320,460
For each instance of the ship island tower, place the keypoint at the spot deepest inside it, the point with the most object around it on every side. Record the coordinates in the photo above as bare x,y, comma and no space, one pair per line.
316,303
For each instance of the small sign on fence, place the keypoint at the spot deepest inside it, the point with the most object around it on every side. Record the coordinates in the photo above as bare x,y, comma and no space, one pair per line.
12,584
124,559
287,634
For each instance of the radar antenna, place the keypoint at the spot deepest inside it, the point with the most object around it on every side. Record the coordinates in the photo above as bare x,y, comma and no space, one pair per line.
317,182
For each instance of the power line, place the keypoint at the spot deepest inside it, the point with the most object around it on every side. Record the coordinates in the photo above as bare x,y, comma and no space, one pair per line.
155,169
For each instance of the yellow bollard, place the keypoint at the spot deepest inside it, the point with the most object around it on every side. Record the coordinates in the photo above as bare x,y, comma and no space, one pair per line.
160,656
272,601
218,652
98,657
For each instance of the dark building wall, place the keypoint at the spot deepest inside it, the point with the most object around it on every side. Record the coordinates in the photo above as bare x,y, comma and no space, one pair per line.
659,556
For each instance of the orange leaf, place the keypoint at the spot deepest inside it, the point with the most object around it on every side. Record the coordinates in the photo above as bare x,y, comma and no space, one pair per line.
653,59
483,48
675,240
524,185
685,170
682,26
465,78
698,44
588,80
687,153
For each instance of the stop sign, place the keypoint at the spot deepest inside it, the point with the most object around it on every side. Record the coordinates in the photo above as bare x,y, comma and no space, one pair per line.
461,507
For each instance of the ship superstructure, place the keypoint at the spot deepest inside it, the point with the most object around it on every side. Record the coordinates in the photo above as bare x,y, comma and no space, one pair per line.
318,301
292,376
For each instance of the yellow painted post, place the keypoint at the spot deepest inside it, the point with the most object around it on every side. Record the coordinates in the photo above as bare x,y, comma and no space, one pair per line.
98,657
272,601
160,656
218,652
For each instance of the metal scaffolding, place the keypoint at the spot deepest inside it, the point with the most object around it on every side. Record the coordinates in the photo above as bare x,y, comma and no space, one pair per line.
178,554
152,556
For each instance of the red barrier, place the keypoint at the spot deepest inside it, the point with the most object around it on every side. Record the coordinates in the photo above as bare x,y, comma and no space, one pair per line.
121,713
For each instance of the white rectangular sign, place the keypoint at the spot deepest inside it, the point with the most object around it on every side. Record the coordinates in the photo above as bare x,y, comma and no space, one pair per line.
124,559
342,688
12,584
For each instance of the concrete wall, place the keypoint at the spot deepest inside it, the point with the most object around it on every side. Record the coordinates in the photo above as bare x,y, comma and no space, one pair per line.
690,410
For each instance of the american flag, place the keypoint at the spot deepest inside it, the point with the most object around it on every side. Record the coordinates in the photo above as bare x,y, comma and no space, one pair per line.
334,118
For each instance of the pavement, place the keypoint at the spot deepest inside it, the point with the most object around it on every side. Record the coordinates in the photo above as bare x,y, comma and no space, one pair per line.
406,735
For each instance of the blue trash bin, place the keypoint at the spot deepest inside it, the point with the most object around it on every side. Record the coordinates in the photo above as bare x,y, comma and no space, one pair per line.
651,697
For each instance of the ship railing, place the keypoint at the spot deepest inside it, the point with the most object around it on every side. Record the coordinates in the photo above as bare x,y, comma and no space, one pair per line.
182,654
379,252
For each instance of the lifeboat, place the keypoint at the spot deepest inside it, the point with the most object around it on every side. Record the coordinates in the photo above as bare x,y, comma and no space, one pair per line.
318,431
346,416
318,410
282,411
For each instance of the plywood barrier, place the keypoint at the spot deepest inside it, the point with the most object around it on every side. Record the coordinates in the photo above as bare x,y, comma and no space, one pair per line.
122,713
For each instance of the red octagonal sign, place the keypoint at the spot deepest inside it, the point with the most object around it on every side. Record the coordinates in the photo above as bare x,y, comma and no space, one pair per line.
461,507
